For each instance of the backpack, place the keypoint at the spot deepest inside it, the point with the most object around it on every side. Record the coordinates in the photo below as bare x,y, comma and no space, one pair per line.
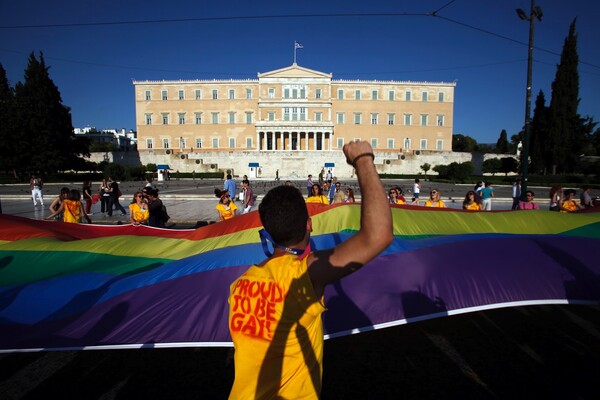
165,216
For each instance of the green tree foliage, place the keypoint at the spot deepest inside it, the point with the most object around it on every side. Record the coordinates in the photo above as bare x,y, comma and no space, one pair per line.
491,166
7,101
43,133
539,152
117,171
151,167
426,167
463,143
455,171
508,164
502,146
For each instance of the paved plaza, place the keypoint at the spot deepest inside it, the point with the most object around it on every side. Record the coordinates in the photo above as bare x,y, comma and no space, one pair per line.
191,203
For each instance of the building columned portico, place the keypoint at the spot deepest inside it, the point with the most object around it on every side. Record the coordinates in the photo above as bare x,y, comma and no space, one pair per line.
294,138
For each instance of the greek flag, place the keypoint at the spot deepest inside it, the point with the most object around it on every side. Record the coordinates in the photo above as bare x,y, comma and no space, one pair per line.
298,45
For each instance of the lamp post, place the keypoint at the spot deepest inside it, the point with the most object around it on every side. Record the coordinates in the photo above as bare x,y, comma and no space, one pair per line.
535,12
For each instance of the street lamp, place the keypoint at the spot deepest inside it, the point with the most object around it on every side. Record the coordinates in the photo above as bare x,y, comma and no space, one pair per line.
535,12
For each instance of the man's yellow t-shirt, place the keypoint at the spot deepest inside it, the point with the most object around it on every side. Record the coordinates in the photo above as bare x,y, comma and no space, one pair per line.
275,323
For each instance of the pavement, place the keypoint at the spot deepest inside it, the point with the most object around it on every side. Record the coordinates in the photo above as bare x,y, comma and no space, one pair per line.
191,203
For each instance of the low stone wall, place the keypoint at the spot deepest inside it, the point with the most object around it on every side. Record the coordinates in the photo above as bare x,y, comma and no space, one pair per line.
290,164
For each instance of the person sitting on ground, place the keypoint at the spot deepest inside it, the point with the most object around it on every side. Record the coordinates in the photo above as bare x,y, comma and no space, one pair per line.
400,195
569,204
72,209
339,196
472,202
528,204
285,358
225,207
55,205
585,198
556,198
434,200
138,209
317,195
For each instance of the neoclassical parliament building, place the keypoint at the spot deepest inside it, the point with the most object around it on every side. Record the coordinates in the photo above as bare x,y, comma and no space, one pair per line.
292,109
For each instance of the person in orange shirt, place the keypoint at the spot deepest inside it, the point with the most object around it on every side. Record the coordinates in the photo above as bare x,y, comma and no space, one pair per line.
275,307
72,209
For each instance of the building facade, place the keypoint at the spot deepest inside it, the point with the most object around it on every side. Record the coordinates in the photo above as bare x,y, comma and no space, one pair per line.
293,109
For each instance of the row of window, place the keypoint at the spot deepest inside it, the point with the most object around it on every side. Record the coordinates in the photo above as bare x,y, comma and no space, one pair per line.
391,143
297,114
297,92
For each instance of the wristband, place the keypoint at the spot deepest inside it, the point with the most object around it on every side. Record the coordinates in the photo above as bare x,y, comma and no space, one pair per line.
361,155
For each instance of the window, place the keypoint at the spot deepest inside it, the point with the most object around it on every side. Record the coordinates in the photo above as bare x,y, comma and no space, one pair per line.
294,93
165,143
391,119
181,118
181,94
391,95
318,116
231,94
198,94
407,119
318,93
198,143
439,144
440,120
271,93
357,118
374,95
149,143
148,95
407,95
232,118
441,97
286,93
215,94
271,116
249,143
286,114
303,92
340,142
390,143
424,119
374,118
248,94
164,94
148,119
215,117
425,96
357,94
249,117
182,143
294,113
423,144
232,143
340,118
302,114
340,94
407,144
165,119
215,143
374,143
198,118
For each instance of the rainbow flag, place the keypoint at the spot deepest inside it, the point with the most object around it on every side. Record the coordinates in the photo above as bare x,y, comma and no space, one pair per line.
68,286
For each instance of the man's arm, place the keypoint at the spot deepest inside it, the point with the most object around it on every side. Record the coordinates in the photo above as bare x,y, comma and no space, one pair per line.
375,234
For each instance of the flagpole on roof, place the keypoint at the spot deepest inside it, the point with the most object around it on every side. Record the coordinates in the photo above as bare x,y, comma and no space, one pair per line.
297,45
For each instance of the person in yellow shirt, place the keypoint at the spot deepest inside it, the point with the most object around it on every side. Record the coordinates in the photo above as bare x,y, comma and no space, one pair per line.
434,200
72,209
226,208
569,204
317,196
138,209
472,202
275,307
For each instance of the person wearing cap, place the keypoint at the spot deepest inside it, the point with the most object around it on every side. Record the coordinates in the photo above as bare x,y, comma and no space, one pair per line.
275,306
226,208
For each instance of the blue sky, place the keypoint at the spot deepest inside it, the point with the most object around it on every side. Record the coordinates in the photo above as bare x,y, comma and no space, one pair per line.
480,44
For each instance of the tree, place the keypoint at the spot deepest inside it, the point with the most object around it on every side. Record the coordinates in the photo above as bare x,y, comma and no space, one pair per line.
425,167
539,152
463,143
567,130
508,164
502,143
7,100
491,166
44,138
455,171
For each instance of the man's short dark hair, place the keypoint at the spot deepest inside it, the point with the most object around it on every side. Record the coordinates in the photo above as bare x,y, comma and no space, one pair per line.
283,214
228,176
